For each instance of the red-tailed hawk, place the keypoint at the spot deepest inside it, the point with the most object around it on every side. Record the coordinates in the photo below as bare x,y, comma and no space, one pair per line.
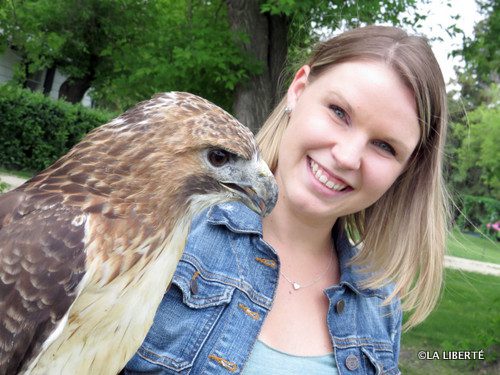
89,246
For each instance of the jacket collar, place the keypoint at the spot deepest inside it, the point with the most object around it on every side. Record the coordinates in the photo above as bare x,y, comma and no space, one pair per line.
236,217
240,219
352,275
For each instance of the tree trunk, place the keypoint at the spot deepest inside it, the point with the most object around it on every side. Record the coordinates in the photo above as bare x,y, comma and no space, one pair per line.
278,52
255,99
73,89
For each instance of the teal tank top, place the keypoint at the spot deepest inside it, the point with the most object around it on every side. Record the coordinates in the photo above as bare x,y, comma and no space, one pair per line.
266,360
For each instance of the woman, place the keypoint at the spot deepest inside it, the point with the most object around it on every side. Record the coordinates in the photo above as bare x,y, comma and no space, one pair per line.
356,148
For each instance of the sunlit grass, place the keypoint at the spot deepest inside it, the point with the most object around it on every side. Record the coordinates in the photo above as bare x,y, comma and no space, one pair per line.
20,174
473,247
467,318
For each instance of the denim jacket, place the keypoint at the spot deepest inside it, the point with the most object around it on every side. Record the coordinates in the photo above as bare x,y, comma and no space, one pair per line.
223,288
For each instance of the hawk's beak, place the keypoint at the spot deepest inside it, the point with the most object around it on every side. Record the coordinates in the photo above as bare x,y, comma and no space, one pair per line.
257,189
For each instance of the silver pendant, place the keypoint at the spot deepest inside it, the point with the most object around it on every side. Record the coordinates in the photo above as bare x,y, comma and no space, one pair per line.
296,286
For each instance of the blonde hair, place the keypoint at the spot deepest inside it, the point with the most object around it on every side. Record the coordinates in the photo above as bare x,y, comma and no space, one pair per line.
404,232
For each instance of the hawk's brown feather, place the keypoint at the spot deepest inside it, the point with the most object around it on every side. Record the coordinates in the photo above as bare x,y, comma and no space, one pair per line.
41,265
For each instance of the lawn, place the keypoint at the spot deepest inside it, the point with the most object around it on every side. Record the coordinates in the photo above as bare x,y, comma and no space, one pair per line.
20,174
467,318
473,247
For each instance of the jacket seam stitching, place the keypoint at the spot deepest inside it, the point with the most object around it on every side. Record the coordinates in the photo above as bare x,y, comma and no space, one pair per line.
228,281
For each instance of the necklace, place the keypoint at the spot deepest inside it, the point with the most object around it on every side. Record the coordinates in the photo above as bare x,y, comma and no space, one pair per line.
297,286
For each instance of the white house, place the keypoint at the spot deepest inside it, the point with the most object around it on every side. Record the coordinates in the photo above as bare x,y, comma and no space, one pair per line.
47,81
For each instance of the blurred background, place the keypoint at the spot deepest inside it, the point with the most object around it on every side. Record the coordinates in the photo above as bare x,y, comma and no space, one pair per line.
67,66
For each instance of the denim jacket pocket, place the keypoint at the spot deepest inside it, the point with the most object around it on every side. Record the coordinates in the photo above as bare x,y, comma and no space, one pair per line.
183,322
381,358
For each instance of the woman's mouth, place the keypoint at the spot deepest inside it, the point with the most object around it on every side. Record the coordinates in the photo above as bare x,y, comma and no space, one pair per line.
325,178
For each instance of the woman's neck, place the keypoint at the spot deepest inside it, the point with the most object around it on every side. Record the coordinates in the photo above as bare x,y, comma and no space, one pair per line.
288,229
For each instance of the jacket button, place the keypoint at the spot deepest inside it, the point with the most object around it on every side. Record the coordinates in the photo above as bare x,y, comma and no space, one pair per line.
352,362
193,285
339,306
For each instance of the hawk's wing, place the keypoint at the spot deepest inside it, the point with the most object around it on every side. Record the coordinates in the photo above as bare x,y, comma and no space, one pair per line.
41,264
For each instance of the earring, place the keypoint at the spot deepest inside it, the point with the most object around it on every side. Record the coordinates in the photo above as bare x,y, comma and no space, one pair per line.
288,110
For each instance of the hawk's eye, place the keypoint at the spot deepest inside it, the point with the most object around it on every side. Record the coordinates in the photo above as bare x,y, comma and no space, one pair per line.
218,157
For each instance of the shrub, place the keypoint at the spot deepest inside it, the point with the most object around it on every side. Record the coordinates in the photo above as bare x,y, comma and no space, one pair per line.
36,130
478,212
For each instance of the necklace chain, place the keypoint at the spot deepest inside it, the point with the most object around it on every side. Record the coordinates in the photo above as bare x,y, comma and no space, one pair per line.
297,286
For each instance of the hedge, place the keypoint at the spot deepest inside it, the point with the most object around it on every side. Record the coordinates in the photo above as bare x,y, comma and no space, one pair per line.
36,130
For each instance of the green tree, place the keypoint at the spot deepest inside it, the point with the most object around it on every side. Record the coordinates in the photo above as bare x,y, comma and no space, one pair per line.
73,36
476,157
481,54
190,48
127,50
473,164
472,145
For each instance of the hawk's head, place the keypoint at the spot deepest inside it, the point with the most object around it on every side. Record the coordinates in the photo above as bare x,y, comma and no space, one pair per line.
162,155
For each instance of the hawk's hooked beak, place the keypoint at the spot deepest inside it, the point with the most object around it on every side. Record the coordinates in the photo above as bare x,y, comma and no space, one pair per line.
257,188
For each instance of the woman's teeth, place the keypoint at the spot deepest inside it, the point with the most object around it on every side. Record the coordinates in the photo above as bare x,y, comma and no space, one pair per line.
322,176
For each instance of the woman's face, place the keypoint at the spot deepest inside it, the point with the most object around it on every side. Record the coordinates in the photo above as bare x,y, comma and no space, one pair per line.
351,133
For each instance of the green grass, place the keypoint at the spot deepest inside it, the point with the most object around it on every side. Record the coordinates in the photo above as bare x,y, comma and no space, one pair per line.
467,318
3,186
472,247
20,174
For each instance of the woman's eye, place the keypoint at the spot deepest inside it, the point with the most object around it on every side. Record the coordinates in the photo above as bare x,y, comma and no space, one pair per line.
386,147
339,112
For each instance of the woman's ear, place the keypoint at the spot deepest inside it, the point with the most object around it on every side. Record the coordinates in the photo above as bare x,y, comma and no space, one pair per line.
297,86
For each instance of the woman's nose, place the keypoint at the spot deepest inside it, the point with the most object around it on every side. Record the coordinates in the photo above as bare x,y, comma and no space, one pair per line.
347,154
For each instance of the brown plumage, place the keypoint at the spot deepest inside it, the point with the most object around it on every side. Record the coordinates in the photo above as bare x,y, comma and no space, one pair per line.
89,246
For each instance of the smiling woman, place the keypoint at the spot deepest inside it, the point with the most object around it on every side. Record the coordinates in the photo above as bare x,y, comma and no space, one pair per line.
357,144
356,147
403,230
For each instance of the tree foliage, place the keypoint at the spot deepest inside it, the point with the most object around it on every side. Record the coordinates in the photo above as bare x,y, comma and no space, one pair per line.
474,155
127,50
191,48
313,20
473,172
72,35
473,165
481,54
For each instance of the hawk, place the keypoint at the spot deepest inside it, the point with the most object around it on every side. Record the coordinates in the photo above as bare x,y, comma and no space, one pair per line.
88,247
